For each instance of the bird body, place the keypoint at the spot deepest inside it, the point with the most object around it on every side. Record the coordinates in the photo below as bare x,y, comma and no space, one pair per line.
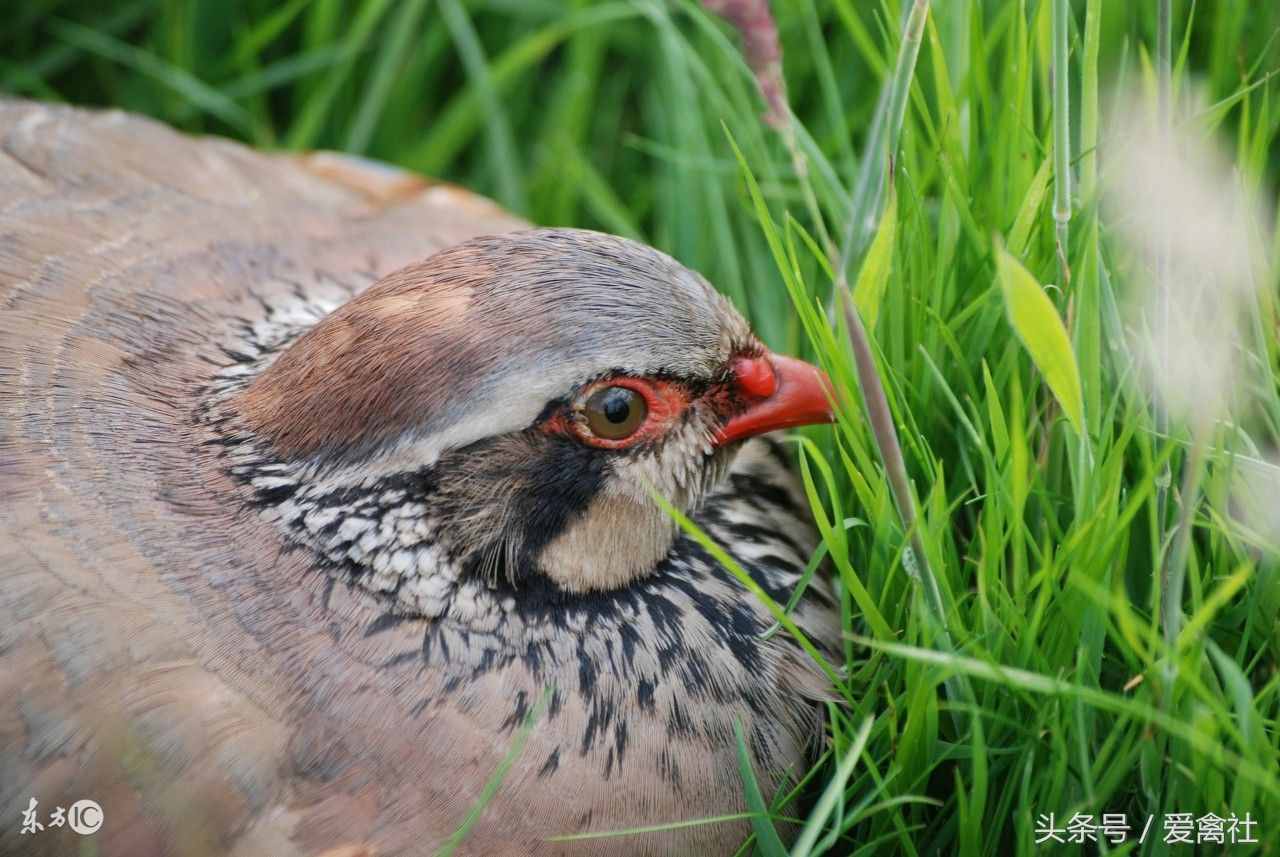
326,524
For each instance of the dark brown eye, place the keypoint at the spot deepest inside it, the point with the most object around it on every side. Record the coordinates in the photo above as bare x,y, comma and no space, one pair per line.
614,413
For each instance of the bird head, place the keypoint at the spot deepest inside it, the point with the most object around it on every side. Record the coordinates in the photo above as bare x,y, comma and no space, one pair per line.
536,389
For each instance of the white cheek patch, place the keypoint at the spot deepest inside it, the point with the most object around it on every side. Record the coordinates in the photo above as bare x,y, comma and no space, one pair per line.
616,541
624,534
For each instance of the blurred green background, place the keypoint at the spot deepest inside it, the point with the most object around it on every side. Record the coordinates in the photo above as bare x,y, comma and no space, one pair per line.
609,115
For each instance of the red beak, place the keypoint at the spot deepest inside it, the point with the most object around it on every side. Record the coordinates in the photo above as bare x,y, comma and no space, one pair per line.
783,392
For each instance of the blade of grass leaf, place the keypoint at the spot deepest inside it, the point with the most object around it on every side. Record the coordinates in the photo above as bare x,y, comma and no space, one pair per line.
1046,685
733,567
1036,321
833,793
494,782
882,141
503,158
651,828
306,130
873,277
767,840
209,99
457,122
404,30
1062,136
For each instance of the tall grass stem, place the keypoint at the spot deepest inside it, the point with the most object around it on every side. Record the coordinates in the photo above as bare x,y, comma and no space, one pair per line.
877,168
1089,104
882,142
1164,86
1062,136
880,417
1174,570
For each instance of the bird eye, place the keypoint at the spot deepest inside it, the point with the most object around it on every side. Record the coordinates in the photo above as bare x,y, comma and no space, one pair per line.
614,413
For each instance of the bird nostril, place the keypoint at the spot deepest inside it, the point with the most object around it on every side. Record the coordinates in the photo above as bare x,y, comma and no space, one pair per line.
755,376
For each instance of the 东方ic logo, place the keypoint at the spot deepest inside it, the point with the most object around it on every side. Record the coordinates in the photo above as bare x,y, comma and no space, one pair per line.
84,817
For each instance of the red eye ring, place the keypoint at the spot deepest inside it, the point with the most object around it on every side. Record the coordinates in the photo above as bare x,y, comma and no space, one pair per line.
664,402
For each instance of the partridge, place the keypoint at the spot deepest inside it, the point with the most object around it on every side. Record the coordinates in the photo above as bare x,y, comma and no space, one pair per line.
327,517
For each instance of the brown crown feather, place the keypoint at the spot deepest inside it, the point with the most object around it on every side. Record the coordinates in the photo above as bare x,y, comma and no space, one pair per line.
480,332
373,367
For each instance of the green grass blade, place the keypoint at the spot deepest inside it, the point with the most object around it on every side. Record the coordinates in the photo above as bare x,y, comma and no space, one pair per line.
404,29
767,840
1037,323
833,793
504,159
868,291
494,782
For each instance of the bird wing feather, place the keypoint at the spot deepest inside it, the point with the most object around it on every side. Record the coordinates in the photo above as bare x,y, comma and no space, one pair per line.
124,248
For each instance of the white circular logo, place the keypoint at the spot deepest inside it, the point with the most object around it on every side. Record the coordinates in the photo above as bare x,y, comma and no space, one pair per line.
85,817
